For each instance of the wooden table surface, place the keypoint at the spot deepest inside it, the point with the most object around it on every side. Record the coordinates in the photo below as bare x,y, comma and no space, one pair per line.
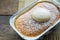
8,7
7,33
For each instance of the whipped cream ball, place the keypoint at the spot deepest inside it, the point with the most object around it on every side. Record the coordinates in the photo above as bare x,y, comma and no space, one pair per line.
41,14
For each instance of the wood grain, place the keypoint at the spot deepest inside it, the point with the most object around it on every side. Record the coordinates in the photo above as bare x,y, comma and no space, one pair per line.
8,7
6,32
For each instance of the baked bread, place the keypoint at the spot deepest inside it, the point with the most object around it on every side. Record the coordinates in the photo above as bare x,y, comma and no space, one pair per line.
27,26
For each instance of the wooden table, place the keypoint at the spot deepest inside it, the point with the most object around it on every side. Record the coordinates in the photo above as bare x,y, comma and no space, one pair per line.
7,33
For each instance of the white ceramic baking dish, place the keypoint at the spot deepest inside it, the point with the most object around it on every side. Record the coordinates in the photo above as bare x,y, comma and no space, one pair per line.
12,20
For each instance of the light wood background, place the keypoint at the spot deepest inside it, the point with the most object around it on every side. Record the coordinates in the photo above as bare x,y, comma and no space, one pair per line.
9,7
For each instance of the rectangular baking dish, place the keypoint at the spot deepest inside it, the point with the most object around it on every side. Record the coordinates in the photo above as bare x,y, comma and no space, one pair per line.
12,20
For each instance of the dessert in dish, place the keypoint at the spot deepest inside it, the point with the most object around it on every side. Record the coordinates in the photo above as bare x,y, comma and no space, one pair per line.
29,26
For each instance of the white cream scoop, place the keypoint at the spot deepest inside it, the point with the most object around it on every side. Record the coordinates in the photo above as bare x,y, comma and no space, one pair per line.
41,14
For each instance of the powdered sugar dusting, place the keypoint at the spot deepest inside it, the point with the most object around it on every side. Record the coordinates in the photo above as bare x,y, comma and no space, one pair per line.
29,27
